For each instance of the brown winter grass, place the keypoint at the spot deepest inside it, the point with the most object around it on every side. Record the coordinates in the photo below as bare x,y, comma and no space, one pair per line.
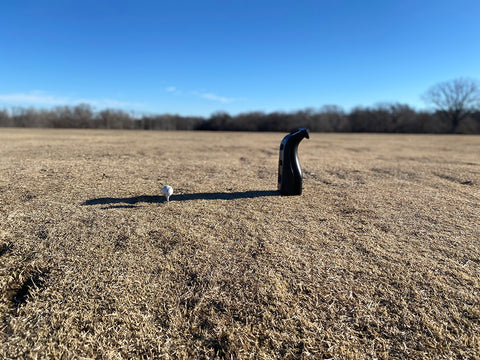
379,258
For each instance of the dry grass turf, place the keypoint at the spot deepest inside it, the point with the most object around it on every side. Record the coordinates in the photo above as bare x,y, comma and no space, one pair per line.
379,258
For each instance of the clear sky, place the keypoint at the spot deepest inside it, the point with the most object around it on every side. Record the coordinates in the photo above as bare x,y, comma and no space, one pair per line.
197,57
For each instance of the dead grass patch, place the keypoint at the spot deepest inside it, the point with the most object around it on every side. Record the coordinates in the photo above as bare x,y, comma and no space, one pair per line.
379,258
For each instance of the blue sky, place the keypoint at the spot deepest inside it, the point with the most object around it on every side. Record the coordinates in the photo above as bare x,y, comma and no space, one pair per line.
198,57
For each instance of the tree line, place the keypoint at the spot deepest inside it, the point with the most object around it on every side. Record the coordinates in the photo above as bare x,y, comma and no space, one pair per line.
389,118
456,110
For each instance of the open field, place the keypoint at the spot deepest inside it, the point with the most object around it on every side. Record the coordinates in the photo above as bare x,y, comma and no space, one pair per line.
379,258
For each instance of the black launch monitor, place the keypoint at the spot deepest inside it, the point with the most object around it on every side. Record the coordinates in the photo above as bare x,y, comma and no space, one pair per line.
289,171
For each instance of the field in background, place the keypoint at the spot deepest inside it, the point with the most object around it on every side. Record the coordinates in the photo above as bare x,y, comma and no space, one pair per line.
379,258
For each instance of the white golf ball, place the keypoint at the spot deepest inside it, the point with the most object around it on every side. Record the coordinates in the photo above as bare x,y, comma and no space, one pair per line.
167,191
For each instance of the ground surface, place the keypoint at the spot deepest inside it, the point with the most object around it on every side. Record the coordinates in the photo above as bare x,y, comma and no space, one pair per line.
379,258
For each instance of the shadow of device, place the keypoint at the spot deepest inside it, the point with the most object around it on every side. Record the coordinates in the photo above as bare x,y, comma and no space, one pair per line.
181,197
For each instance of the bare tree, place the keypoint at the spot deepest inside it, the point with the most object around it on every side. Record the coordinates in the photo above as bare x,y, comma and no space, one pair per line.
334,118
5,119
455,99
